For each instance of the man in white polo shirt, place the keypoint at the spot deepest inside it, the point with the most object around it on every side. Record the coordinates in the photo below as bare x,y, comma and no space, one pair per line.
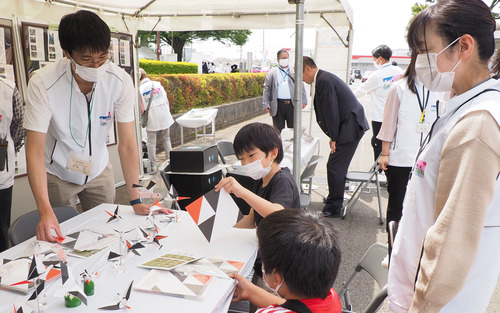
71,106
379,83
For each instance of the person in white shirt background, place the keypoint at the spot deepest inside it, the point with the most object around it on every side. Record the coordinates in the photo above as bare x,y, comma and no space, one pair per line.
159,117
378,84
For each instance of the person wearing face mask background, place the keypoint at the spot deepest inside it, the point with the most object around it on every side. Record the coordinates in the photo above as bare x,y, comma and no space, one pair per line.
300,261
409,113
259,148
445,257
277,98
71,106
378,84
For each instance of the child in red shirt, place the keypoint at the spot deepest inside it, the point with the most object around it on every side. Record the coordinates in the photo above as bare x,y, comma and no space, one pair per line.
300,261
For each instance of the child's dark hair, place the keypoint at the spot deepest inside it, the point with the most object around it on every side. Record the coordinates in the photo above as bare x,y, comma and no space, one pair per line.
303,248
258,135
84,31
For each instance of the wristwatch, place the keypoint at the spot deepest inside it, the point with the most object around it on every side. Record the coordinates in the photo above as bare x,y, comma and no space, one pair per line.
136,201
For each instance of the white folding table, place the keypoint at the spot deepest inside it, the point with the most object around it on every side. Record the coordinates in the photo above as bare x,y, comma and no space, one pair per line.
236,244
198,118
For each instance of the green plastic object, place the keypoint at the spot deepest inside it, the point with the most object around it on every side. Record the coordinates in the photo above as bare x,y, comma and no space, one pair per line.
88,287
71,301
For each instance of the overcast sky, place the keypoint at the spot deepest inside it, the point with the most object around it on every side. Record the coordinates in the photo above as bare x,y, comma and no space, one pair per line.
375,22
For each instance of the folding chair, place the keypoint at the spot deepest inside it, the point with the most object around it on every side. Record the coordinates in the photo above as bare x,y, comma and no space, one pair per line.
371,262
308,172
225,149
24,227
364,178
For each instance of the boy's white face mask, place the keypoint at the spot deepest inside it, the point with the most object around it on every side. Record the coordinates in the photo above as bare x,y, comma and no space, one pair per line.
255,170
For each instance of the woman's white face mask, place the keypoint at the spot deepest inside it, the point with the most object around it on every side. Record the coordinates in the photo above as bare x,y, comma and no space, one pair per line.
90,74
428,73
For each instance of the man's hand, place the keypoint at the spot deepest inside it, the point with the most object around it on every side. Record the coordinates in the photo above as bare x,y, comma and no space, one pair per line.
231,185
333,146
383,161
45,225
304,105
267,110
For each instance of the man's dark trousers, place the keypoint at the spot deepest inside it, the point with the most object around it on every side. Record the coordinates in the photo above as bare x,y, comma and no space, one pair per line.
337,166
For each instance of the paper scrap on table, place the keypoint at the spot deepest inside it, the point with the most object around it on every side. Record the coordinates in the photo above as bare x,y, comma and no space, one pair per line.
214,213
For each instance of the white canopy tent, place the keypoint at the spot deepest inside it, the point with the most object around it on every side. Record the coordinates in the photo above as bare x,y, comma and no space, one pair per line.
177,15
128,16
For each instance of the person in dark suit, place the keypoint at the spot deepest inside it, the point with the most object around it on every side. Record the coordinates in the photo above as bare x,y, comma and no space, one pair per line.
342,118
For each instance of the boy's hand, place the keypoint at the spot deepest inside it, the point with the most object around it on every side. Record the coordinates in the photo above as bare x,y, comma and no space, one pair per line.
231,185
243,289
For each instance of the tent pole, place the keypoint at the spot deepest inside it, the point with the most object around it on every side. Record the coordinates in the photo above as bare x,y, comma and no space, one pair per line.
297,125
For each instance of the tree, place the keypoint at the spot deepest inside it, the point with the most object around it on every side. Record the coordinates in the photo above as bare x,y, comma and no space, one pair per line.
177,40
417,7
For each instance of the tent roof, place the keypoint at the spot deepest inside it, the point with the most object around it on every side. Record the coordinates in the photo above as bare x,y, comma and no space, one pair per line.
177,15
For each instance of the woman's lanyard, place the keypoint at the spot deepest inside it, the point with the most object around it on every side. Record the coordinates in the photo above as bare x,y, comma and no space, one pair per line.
429,135
423,106
90,113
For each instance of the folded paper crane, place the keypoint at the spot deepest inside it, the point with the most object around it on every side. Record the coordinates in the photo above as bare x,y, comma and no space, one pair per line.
214,213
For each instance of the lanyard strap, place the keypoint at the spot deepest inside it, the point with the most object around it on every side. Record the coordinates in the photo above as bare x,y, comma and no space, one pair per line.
286,74
429,135
422,103
90,114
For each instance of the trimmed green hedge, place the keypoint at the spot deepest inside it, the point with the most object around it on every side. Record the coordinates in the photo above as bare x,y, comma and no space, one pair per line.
196,91
163,67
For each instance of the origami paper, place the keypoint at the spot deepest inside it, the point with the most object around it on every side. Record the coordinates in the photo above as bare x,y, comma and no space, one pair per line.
214,213
147,192
174,283
211,266
123,301
114,216
171,260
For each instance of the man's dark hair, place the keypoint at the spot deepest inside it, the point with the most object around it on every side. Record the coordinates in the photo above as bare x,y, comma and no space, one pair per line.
302,247
309,62
382,51
280,52
84,31
258,135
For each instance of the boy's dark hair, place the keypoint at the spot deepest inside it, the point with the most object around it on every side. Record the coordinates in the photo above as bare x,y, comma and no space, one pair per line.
258,135
303,248
84,31
382,51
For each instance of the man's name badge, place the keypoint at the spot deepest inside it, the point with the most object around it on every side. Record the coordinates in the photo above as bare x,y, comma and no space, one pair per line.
80,163
423,127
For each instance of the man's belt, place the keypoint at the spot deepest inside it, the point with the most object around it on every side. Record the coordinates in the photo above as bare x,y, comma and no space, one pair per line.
285,101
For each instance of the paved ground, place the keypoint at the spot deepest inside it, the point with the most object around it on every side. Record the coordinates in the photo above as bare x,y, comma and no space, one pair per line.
361,228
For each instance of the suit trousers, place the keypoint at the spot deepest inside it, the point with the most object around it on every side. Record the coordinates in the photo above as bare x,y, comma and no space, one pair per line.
397,179
5,207
337,166
284,113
